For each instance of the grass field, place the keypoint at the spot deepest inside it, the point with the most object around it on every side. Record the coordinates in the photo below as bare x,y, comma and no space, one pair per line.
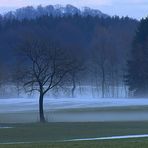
134,143
48,135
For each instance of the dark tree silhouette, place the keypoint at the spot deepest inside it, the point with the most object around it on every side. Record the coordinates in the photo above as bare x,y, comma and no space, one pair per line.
137,77
45,67
75,75
100,55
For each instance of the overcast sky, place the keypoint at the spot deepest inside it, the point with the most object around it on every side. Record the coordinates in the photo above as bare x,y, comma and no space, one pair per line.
132,8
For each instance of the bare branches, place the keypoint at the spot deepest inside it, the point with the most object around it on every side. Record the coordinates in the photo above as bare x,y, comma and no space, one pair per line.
46,65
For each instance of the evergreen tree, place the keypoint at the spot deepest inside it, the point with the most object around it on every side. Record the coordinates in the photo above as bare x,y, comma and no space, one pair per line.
137,77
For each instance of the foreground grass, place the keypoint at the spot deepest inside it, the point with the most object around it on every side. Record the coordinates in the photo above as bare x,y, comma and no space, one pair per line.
51,132
132,143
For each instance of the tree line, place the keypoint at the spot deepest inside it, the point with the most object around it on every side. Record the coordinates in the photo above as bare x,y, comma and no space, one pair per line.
100,45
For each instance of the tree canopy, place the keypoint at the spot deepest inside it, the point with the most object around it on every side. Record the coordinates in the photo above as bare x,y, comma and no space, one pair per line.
137,77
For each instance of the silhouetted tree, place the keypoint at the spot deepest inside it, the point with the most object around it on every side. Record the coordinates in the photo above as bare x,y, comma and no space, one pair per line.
75,75
137,77
100,55
44,68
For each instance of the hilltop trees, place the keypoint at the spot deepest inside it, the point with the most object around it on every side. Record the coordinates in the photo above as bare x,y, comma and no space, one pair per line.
137,77
30,12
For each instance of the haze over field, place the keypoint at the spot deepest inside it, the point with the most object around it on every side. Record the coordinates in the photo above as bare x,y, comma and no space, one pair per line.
74,110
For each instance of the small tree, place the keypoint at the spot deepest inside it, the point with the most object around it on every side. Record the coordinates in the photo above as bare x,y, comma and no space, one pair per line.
75,74
44,68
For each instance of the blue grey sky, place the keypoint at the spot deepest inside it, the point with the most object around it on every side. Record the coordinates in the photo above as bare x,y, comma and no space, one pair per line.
132,8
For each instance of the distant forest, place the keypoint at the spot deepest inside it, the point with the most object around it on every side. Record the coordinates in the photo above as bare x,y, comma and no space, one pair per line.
99,43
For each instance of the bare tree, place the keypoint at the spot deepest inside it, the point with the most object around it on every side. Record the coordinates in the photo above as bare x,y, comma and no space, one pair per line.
45,67
100,55
107,62
17,75
75,74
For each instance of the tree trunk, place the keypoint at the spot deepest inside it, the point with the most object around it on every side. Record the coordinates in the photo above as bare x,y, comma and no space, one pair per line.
41,109
103,82
74,86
